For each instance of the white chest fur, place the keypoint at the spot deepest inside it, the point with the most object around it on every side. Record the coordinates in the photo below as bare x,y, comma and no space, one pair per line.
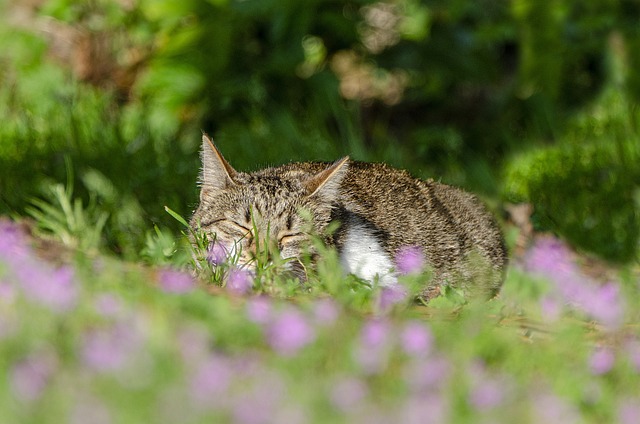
363,256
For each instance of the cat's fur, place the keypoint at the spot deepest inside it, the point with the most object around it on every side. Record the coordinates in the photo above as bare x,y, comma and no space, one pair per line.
380,209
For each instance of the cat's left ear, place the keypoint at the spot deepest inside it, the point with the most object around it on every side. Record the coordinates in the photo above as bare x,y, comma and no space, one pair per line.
327,183
217,174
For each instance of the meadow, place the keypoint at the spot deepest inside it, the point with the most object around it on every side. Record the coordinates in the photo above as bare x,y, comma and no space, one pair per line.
109,315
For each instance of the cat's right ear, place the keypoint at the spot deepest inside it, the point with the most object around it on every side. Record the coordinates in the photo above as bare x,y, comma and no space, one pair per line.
217,174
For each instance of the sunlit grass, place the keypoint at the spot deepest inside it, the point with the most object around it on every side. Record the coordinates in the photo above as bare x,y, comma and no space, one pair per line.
106,341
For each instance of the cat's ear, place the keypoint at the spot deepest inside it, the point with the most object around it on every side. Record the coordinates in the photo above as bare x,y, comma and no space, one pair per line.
327,183
217,174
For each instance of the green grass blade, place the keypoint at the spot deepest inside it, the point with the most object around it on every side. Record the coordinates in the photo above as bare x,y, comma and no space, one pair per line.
176,216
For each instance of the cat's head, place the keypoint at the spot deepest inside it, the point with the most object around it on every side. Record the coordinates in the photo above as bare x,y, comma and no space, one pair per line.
243,212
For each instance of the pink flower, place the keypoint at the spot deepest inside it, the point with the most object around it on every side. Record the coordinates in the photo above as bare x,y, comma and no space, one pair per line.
194,343
372,351
111,349
410,260
13,243
604,304
347,394
30,377
217,253
552,260
260,400
416,339
391,295
420,408
629,411
289,332
172,281
211,380
551,308
239,281
488,391
429,373
601,361
325,312
549,408
375,333
55,289
108,305
258,310
487,395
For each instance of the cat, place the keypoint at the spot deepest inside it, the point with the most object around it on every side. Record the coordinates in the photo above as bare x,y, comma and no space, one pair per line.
379,209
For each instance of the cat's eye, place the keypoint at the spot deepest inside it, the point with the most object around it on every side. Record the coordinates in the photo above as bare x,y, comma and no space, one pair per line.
290,238
243,229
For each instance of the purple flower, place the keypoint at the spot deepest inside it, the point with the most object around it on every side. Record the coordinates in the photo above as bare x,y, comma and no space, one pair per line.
217,253
552,260
258,403
193,342
372,351
391,295
258,310
172,281
488,391
108,305
239,281
289,332
551,308
211,380
347,394
601,361
13,243
432,408
325,312
487,394
409,260
604,304
550,409
429,373
416,339
30,377
629,411
55,289
112,348
375,333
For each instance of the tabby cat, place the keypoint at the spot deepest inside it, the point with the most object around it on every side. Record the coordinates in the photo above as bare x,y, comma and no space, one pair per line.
379,210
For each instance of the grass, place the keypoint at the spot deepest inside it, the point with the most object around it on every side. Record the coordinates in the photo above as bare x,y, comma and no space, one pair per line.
115,327
102,340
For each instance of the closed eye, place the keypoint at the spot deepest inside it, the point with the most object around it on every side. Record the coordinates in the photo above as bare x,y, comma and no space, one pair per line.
290,238
241,227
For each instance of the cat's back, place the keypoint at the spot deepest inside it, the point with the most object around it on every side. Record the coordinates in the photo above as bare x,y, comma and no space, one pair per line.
448,223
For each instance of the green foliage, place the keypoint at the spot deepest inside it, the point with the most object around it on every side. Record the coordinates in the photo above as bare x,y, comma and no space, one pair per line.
446,89
76,226
127,346
586,187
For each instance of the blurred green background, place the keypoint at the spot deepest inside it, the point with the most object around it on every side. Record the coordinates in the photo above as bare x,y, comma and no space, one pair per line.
518,101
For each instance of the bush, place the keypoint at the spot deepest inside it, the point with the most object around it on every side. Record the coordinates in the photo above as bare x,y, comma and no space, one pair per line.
587,187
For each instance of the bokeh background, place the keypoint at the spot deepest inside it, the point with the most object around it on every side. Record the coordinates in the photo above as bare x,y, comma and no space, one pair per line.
102,104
